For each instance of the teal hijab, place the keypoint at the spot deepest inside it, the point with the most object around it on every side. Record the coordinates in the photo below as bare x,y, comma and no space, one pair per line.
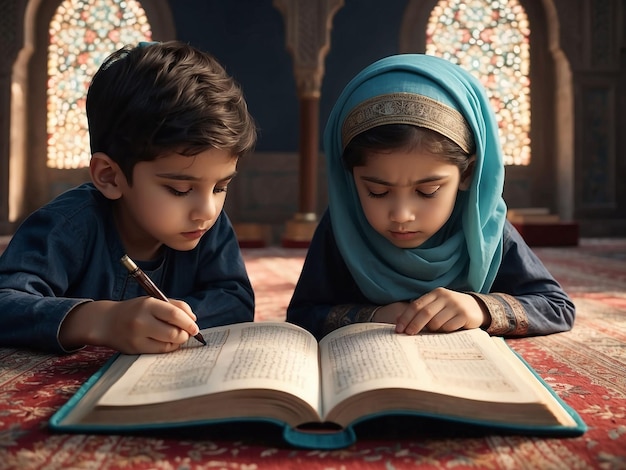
465,254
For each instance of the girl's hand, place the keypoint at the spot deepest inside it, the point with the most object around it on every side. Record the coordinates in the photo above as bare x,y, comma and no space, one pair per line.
136,326
440,310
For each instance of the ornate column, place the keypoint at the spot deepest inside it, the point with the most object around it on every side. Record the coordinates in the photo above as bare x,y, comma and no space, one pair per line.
307,24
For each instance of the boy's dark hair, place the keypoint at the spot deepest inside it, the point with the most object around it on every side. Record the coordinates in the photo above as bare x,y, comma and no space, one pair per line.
159,98
390,137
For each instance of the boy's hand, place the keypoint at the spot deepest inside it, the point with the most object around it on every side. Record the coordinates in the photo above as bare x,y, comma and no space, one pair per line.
136,326
441,310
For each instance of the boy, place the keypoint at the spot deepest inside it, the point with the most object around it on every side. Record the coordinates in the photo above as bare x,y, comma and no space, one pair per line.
167,126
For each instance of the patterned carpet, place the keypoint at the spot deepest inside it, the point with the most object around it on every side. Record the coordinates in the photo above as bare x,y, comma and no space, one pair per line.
273,273
586,367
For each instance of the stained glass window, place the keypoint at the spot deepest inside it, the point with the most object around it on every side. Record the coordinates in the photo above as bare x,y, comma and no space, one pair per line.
491,40
82,34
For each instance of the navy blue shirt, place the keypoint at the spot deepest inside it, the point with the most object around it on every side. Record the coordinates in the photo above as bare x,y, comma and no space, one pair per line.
524,299
68,252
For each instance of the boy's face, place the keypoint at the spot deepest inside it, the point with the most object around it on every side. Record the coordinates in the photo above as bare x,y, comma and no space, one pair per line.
174,200
407,196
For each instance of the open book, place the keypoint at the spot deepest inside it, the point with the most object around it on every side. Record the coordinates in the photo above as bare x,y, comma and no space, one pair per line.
278,372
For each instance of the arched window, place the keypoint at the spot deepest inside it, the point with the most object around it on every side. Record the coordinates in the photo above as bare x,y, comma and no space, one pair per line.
491,40
82,34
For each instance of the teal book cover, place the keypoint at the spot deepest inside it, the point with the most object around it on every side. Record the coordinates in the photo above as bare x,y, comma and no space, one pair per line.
320,396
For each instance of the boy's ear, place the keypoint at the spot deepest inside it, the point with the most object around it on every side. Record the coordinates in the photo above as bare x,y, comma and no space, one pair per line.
466,176
106,175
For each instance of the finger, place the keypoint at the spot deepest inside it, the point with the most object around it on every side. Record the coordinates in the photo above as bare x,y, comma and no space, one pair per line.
404,318
144,345
455,323
184,306
177,320
408,321
155,346
445,320
167,333
428,313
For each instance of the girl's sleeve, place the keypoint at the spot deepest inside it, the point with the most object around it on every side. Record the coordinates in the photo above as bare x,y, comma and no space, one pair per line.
525,299
326,296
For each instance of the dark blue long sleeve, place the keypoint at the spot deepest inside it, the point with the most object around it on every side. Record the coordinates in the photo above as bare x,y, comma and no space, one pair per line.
524,299
68,252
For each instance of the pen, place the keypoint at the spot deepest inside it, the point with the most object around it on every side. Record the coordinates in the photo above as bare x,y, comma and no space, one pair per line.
148,285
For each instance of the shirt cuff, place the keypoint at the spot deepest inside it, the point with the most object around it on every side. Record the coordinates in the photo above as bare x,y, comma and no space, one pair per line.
508,316
342,315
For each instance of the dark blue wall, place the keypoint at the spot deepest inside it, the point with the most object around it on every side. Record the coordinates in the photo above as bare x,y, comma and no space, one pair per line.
248,37
363,32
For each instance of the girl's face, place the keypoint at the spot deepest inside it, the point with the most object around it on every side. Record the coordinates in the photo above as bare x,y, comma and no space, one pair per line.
407,196
174,200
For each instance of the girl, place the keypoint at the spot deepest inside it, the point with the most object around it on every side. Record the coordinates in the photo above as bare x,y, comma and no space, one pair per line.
416,232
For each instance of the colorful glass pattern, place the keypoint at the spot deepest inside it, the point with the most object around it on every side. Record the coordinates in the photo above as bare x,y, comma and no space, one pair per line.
82,34
491,40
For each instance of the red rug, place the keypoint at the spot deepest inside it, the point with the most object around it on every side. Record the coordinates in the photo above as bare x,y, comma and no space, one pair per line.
586,367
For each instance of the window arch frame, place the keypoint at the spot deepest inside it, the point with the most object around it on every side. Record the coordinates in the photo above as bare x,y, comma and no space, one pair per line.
513,133
32,182
75,49
538,183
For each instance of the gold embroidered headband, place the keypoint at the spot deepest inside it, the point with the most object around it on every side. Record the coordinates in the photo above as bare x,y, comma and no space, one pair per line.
408,108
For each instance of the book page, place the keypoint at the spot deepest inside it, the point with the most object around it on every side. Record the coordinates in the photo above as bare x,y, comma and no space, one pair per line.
370,356
262,355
